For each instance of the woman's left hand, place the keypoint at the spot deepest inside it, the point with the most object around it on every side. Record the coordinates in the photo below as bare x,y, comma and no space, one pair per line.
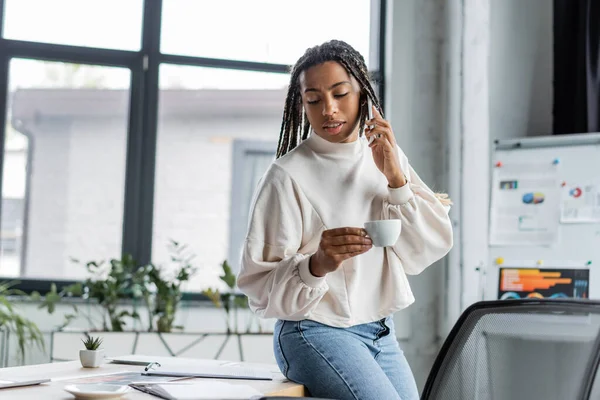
383,147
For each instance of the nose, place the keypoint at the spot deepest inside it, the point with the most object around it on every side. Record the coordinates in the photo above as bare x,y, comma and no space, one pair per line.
329,107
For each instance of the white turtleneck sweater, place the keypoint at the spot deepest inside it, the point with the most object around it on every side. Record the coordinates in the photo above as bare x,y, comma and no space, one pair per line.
319,186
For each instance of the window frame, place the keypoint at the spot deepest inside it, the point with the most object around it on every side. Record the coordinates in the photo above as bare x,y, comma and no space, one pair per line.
143,112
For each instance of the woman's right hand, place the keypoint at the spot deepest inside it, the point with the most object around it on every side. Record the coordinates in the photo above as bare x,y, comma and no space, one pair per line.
338,245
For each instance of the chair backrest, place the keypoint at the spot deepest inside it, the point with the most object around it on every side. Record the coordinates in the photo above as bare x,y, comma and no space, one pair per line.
520,349
289,398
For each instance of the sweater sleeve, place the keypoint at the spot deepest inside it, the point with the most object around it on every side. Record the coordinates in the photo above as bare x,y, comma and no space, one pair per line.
274,271
426,234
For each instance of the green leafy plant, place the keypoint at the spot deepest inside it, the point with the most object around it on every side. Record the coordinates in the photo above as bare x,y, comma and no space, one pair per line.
110,284
92,343
230,301
26,331
53,296
165,299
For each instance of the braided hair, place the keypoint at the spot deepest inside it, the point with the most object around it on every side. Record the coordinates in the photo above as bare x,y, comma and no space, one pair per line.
295,126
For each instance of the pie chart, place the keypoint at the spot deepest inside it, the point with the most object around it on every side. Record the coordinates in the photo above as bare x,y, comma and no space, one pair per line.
533,198
575,192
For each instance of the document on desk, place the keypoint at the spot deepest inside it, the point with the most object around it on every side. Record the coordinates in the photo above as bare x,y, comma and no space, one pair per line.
200,391
213,371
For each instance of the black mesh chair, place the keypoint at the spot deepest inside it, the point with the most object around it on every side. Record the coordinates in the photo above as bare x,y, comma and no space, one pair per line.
290,398
520,349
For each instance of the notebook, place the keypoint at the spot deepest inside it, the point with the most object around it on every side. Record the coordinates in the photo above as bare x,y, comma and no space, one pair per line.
212,371
199,391
12,384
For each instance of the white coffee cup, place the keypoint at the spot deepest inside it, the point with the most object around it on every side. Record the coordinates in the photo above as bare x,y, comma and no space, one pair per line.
384,232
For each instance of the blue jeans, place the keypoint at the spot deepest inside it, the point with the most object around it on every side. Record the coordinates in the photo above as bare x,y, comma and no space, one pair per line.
357,363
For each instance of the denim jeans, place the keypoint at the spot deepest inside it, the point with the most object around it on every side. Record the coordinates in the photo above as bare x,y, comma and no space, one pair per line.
359,363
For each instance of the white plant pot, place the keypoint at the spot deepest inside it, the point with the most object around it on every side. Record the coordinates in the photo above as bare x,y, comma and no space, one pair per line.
91,358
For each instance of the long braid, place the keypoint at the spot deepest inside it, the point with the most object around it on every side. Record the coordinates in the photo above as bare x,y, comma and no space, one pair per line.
283,139
295,126
296,120
306,129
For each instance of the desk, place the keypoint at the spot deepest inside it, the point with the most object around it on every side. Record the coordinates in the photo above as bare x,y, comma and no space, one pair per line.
61,371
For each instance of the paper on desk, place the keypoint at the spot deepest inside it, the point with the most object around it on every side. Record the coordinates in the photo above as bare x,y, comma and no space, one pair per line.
208,390
167,363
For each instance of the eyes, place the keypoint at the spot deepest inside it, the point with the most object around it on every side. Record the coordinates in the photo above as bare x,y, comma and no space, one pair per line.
337,96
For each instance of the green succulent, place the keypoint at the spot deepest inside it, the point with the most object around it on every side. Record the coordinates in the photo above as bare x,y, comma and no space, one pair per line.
92,343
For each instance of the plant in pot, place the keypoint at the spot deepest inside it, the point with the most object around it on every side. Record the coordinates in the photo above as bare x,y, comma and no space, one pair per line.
93,355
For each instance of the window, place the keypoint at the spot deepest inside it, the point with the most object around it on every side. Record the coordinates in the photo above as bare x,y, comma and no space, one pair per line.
10,235
64,167
114,24
203,112
126,144
272,31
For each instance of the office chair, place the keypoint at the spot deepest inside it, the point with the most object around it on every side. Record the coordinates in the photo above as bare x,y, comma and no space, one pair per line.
290,398
520,349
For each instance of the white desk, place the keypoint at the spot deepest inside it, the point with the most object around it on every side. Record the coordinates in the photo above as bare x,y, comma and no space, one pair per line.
61,371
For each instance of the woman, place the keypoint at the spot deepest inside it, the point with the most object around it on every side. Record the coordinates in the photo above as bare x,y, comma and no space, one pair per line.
308,262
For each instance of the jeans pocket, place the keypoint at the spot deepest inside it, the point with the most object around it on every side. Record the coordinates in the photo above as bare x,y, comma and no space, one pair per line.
279,356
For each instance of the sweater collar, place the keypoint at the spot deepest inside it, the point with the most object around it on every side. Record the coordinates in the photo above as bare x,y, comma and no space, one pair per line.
320,145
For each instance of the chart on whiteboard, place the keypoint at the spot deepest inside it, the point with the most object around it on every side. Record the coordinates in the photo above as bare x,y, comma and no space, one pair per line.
525,204
580,203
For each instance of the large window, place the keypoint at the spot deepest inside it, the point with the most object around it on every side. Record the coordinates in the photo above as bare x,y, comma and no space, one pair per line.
202,113
274,31
64,167
115,24
127,124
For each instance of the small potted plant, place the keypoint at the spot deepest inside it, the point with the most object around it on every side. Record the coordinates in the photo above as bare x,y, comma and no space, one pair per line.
92,356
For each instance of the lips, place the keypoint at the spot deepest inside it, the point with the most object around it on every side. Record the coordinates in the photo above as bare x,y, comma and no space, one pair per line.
333,127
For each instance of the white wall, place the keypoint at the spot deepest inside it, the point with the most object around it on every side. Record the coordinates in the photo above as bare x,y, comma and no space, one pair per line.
414,108
520,68
460,74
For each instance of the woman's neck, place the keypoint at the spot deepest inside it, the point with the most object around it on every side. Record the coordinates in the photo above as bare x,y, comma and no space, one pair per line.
321,145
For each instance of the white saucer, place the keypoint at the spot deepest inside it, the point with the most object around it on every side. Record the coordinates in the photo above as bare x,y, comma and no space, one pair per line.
97,391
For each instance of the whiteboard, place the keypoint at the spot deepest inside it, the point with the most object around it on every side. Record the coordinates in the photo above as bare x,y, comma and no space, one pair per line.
577,245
